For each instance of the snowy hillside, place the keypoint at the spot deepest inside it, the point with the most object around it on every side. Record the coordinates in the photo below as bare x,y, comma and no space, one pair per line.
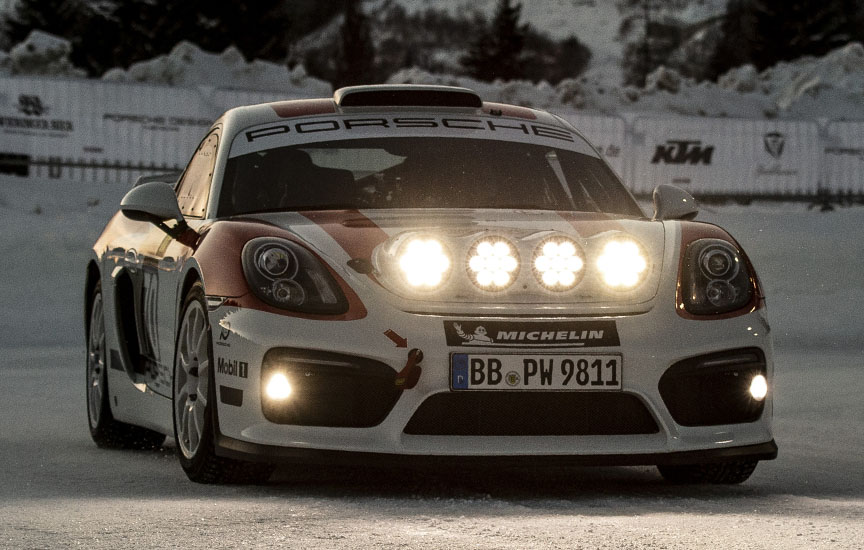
594,22
828,87
809,88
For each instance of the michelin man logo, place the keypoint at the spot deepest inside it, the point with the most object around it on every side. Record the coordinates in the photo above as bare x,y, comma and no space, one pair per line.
479,338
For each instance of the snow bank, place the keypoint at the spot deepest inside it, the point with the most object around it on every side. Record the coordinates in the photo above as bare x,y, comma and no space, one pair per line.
40,54
828,87
189,65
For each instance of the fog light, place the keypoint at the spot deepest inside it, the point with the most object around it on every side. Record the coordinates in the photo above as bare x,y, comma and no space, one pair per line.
759,387
278,387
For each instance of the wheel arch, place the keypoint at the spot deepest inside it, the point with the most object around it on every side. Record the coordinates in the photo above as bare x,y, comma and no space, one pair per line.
192,276
91,279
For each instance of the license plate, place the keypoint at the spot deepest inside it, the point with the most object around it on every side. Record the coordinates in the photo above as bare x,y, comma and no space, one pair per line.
558,372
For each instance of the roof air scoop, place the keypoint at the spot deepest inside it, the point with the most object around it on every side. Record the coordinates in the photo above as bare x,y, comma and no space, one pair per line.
406,95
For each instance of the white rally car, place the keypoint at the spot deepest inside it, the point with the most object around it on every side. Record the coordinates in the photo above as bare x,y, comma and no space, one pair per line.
409,275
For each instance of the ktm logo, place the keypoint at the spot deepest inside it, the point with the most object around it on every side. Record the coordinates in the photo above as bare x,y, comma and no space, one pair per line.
683,152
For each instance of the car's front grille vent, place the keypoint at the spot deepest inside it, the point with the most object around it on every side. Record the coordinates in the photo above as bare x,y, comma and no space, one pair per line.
330,389
516,413
710,390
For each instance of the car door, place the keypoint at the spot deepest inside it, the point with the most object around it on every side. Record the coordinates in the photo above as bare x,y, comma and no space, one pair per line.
162,260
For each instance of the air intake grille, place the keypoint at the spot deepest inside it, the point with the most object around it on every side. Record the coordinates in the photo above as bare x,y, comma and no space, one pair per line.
532,413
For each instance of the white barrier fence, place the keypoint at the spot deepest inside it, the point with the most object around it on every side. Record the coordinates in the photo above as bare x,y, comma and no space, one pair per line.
104,131
726,157
97,131
843,158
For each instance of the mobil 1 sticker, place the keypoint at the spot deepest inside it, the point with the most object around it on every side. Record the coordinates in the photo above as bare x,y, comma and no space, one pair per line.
546,334
546,371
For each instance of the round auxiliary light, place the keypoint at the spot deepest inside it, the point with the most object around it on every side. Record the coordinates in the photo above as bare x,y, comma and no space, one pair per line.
558,263
424,263
759,387
622,264
492,264
278,387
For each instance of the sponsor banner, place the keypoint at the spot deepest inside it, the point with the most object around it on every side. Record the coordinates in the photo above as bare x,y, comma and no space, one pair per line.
91,130
726,156
608,134
843,156
551,334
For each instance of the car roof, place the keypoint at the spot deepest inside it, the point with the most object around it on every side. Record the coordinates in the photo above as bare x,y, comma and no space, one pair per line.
380,99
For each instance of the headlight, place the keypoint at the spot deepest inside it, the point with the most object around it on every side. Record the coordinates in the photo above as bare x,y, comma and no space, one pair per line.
558,263
286,275
622,264
424,263
492,264
714,279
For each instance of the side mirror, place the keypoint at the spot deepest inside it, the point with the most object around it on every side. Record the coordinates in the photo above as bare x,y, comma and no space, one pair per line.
153,202
673,203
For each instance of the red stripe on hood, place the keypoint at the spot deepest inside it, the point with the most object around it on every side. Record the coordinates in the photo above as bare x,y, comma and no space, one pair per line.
355,233
588,224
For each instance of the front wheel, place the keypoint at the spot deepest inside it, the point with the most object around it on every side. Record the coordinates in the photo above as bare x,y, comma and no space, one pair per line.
104,429
729,473
194,403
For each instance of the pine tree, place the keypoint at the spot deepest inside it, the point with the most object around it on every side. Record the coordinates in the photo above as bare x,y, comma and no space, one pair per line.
764,32
53,16
497,51
651,33
356,64
111,33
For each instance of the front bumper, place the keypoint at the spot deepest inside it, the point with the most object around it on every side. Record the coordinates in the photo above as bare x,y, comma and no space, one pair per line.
649,343
252,452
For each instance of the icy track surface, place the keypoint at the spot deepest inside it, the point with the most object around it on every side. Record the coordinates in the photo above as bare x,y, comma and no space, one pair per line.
58,490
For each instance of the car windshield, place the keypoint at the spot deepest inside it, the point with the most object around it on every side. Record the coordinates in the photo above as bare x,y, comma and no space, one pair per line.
420,172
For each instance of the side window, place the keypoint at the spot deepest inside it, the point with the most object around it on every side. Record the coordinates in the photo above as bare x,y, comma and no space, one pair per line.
194,188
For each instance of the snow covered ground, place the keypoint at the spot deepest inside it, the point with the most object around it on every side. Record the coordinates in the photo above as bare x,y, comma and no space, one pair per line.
58,490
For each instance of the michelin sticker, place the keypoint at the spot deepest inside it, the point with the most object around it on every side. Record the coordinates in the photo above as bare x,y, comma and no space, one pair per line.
557,334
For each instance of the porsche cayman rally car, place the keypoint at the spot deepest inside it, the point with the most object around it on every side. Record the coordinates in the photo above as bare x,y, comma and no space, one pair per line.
408,274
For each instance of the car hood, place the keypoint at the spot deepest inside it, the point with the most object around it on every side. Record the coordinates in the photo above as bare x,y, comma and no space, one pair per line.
367,245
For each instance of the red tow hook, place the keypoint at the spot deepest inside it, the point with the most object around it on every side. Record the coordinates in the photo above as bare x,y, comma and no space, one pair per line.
410,374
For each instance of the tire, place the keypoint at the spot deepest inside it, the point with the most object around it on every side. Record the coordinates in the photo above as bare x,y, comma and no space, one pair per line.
194,402
728,473
104,429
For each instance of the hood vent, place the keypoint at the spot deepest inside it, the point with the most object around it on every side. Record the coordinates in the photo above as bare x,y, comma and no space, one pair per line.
406,95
